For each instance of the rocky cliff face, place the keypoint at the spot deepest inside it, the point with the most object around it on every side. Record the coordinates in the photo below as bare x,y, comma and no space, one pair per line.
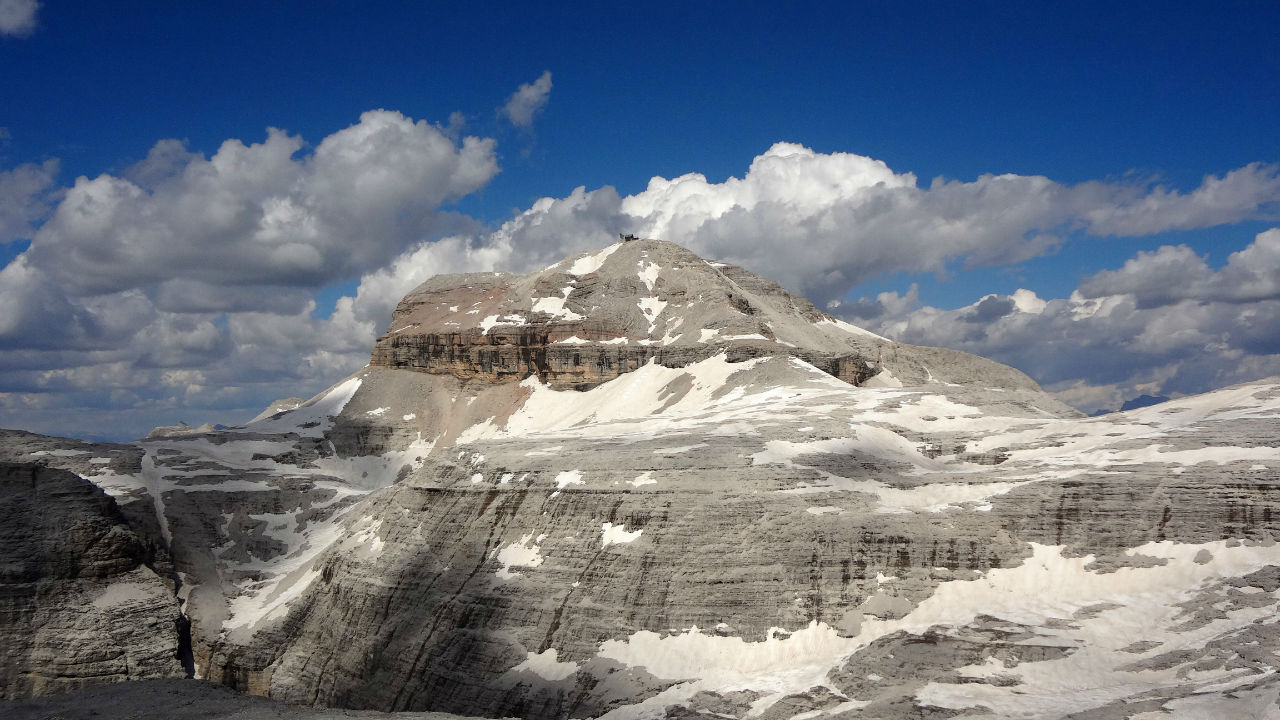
82,603
587,320
717,520
730,536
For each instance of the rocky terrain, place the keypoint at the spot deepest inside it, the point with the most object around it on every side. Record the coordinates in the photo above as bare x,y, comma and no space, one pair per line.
181,700
642,484
82,601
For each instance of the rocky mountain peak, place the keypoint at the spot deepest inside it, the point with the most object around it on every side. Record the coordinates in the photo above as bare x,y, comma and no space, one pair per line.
591,317
627,485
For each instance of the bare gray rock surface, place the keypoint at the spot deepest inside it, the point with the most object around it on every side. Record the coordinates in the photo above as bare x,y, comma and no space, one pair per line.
179,700
704,514
589,319
82,604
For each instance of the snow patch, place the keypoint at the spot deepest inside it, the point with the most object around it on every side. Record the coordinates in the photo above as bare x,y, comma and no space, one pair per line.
882,379
554,306
314,417
547,665
848,328
643,479
929,497
591,263
567,478
651,308
1047,586
616,534
492,321
649,274
520,554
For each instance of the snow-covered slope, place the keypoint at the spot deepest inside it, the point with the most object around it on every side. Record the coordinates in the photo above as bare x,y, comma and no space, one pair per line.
728,531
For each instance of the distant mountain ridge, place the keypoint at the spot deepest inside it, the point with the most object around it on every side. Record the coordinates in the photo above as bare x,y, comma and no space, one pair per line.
1142,401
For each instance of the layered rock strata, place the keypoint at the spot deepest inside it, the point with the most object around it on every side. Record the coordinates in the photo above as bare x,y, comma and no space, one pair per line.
563,572
82,604
587,320
723,529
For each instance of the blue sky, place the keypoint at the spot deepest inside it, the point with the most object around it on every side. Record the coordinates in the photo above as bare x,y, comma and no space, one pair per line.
1124,110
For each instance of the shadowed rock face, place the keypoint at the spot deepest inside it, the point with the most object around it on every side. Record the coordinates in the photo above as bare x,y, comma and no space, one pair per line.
171,699
694,516
81,603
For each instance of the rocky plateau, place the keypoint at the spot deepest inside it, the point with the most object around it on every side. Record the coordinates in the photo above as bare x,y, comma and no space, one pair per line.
641,484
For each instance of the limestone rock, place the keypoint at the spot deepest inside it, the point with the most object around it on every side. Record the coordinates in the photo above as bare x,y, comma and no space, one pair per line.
589,319
178,700
181,429
706,515
82,604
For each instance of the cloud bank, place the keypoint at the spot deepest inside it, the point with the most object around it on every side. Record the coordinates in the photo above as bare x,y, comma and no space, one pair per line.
824,223
189,276
18,17
26,194
1163,324
189,284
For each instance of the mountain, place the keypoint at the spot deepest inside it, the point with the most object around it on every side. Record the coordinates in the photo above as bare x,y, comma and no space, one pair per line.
86,599
1143,401
638,483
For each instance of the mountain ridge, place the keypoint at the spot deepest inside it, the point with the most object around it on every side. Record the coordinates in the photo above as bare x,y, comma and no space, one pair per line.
594,316
733,530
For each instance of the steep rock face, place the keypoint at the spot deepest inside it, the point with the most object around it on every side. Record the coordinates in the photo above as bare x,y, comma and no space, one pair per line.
696,550
171,699
81,606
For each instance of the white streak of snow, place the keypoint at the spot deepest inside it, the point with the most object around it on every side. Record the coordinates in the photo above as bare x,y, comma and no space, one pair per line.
546,666
611,534
591,263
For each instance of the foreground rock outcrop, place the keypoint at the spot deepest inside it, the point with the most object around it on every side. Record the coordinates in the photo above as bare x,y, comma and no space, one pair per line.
728,503
82,603
179,700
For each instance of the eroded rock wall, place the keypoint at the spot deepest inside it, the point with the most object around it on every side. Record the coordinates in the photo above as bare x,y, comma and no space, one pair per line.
500,357
80,604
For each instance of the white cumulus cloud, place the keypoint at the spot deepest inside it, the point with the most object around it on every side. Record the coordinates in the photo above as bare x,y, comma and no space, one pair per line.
18,17
1164,324
25,198
185,264
525,102
190,281
1170,274
259,214
822,223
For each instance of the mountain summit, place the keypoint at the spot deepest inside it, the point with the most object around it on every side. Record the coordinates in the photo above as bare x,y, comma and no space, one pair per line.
640,484
588,319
